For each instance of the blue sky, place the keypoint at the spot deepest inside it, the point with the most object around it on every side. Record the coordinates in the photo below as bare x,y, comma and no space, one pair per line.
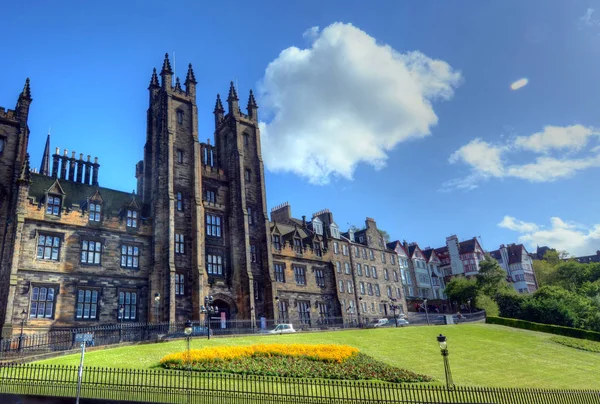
401,111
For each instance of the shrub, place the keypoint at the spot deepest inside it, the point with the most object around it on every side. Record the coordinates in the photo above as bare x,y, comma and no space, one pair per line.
548,328
486,303
584,345
509,303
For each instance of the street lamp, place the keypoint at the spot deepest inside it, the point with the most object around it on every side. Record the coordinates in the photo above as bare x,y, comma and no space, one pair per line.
426,312
23,318
277,304
156,304
188,332
208,309
469,303
444,350
121,315
394,307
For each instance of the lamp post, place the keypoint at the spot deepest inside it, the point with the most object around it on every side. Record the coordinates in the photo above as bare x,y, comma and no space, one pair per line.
469,303
426,312
121,315
394,307
23,318
252,318
444,350
277,304
156,304
208,309
188,332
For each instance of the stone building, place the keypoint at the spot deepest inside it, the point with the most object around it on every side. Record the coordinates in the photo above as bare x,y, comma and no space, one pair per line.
517,263
76,253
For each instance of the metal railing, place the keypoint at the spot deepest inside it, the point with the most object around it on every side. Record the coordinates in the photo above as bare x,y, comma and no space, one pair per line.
59,340
174,386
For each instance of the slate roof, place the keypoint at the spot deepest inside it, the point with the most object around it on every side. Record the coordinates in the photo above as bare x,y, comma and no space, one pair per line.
77,193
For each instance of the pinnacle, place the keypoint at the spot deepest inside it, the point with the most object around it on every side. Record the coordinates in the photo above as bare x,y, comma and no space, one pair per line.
26,90
154,79
25,171
218,105
190,78
252,101
177,84
166,68
232,93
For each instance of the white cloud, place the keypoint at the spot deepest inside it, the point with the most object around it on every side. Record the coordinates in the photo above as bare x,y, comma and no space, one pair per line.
345,100
573,137
586,19
574,238
519,84
490,161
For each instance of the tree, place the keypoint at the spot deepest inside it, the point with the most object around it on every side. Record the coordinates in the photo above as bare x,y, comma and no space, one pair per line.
385,235
509,303
491,277
484,302
544,272
461,289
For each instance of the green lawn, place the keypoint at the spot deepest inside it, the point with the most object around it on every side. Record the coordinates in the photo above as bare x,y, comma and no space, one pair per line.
480,354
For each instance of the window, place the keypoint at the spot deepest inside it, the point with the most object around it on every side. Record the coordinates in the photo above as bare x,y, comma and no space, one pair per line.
246,140
349,287
214,264
130,256
347,268
362,288
323,313
298,245
127,302
338,267
277,241
95,212
383,257
132,220
385,274
179,201
336,247
317,249
87,304
320,277
423,278
371,255
179,244
370,289
374,272
300,275
358,269
247,175
411,291
344,249
284,316
210,196
372,307
364,305
179,116
251,215
395,276
380,307
367,272
213,225
252,253
304,312
179,284
377,291
317,227
53,205
42,302
179,156
356,251
256,291
341,286
364,253
90,252
389,292
48,247
398,294
279,273
2,143
335,231
393,259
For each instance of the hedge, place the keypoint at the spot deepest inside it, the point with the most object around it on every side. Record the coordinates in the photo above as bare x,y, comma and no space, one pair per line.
552,329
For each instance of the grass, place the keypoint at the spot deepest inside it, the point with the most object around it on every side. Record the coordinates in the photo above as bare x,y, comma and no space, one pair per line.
582,344
480,354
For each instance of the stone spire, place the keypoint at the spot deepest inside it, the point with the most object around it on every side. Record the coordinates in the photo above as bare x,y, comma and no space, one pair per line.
190,78
166,68
45,166
232,93
218,105
252,107
26,93
233,100
154,79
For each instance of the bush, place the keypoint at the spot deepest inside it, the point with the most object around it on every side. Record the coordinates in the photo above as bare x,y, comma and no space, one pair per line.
509,303
551,329
584,345
486,303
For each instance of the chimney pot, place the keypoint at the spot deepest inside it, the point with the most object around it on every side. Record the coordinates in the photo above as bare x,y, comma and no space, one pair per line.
88,158
73,155
95,160
66,152
57,150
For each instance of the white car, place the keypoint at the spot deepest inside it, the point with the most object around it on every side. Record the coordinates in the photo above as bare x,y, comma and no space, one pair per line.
282,329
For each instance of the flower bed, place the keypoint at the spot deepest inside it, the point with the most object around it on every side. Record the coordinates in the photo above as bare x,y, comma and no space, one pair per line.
294,360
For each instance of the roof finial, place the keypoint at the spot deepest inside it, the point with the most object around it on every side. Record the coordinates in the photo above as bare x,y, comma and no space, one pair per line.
218,105
251,101
190,78
154,79
232,93
166,68
26,90
177,84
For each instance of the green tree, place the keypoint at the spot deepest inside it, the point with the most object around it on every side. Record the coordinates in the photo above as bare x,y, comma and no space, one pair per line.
509,303
491,278
486,303
544,272
461,289
385,235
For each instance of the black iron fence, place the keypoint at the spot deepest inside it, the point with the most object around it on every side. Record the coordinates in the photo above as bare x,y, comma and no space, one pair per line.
171,386
31,343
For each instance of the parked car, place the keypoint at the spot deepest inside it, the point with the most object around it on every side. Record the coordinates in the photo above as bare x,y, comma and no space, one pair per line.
402,322
382,322
282,329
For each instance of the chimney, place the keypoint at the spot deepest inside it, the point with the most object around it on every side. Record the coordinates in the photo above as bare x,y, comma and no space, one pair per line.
86,175
80,167
304,221
95,167
72,167
55,158
63,166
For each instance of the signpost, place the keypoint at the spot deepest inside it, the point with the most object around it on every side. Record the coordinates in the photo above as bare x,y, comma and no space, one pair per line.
83,338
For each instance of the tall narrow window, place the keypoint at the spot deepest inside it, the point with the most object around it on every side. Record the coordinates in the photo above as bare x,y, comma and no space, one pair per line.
320,277
246,140
338,267
347,268
42,302
53,206
392,259
250,215
277,241
90,252
344,249
130,256
279,272
377,291
336,247
48,247
395,276
383,257
179,244
341,286
213,225
385,274
323,313
253,253
304,312
132,218
370,289
247,175
127,302
95,212
389,292
210,196
284,316
374,273
371,255
350,287
179,284
179,201
87,304
298,245
214,264
300,275
317,249
256,291
362,288
179,156
179,116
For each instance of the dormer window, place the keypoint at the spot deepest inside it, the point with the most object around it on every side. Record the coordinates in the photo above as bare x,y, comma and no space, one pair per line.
277,241
95,210
132,218
53,205
298,245
335,231
317,226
